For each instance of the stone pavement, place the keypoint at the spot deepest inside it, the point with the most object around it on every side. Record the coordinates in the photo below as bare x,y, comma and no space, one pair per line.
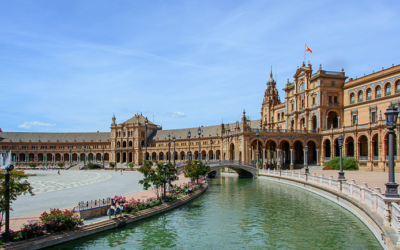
101,184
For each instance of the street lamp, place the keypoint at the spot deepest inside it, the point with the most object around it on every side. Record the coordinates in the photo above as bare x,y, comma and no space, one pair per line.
189,134
199,132
165,177
174,139
146,122
115,167
70,156
391,119
341,173
257,134
7,175
306,159
84,157
103,157
169,149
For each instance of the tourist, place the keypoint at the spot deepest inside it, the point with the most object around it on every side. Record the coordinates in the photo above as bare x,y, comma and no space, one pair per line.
59,172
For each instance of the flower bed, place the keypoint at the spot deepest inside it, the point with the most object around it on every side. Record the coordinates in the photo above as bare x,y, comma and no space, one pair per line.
55,221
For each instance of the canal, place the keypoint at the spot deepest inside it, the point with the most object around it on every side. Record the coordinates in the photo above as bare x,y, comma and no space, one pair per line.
242,213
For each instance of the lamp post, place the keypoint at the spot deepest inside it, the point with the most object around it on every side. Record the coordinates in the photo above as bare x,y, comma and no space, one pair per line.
169,149
306,159
84,157
7,179
199,132
165,176
174,139
212,153
257,134
189,134
391,119
341,173
146,122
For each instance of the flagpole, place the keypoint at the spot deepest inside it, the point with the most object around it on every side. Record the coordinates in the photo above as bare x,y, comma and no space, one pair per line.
305,46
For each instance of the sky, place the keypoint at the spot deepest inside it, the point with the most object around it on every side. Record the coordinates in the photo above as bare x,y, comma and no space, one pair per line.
68,66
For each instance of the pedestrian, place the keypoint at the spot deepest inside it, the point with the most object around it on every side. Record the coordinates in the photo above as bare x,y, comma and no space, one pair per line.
59,172
267,166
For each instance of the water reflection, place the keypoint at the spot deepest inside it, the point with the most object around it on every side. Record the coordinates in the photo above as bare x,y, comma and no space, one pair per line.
242,213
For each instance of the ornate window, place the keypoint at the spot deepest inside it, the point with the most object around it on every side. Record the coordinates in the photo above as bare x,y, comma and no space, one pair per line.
360,96
388,89
378,92
352,98
398,87
301,88
369,94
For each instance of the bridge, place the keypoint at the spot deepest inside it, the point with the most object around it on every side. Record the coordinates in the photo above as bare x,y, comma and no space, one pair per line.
244,169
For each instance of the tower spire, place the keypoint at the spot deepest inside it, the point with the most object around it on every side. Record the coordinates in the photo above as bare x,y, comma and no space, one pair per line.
271,72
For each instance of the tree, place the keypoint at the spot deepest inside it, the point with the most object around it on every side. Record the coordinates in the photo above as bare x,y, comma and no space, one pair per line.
195,169
130,165
155,177
32,165
18,186
60,164
90,165
112,165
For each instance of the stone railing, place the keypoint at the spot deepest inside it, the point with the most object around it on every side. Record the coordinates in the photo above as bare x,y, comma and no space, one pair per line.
388,209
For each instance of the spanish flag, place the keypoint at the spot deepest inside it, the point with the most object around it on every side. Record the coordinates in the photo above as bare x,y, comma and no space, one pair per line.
308,49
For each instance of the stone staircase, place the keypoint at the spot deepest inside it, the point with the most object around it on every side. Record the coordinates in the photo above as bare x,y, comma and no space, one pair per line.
76,167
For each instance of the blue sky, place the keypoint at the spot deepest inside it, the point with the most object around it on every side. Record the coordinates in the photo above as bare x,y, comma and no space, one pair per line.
67,66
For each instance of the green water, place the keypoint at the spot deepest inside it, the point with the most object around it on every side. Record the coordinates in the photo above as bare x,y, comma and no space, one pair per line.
242,214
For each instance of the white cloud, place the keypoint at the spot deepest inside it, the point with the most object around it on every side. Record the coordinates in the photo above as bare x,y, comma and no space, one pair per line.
177,114
28,125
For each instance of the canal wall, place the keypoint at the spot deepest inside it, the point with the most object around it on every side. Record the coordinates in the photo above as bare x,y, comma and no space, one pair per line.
59,238
378,213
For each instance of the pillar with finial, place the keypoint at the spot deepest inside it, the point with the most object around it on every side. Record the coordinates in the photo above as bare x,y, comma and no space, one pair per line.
113,120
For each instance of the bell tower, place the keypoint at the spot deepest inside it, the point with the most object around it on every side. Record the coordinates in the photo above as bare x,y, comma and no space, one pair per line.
271,98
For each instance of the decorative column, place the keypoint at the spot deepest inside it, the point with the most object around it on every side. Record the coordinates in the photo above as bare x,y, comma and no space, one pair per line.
263,158
291,159
317,157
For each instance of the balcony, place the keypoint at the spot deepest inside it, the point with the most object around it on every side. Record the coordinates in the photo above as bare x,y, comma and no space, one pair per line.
388,93
352,102
327,158
369,98
363,158
387,158
375,158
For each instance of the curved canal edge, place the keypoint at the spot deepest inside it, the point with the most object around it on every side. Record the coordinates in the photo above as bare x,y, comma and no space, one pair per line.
59,238
372,221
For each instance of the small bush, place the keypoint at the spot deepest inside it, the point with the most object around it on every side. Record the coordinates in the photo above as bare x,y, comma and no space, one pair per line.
348,163
112,165
31,230
32,165
60,164
90,165
130,165
58,220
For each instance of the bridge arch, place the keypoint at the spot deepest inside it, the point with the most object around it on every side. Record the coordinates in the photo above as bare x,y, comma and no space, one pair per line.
244,171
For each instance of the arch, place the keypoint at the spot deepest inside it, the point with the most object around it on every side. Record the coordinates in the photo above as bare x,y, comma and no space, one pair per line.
130,158
74,157
327,147
118,144
314,122
332,120
375,144
195,155
231,152
90,157
242,172
349,145
182,154
388,89
336,147
22,157
352,98
40,157
49,157
58,157
312,152
175,155
66,157
369,93
154,156
360,96
161,156
279,116
82,157
254,150
397,86
118,157
203,155
98,157
285,147
302,123
106,157
292,124
378,91
124,144
298,147
130,144
218,154
31,157
363,145
210,155
124,157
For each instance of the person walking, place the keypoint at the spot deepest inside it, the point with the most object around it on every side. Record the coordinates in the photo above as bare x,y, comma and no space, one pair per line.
59,172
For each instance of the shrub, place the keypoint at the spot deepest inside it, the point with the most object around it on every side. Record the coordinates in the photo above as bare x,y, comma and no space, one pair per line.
13,236
130,165
58,220
120,200
255,161
90,165
348,163
32,165
31,230
112,165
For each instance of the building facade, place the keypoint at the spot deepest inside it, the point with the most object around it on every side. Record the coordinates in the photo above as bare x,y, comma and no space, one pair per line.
319,106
